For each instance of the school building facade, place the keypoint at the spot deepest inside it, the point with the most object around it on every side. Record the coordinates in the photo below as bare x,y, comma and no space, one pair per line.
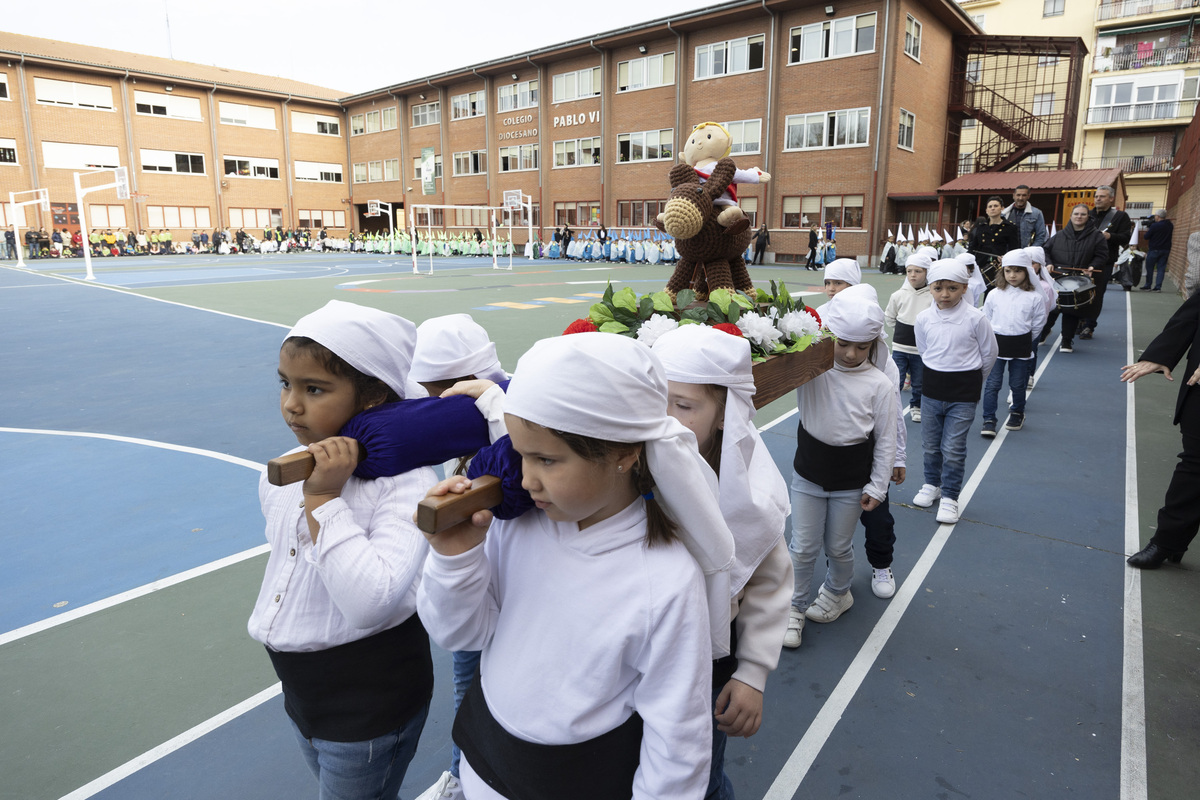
844,104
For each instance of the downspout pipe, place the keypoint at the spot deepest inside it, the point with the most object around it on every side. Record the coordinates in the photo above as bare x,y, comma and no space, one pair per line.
876,206
603,131
768,194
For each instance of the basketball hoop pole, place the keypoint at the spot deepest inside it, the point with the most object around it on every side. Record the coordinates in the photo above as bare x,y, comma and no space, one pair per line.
40,197
120,183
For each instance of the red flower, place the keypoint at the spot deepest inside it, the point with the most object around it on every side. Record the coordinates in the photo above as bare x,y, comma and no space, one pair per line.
581,326
816,316
729,327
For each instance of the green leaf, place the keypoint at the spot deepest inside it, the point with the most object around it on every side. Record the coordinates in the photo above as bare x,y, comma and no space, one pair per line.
735,311
761,296
744,300
714,312
684,298
626,299
721,298
628,317
686,321
694,314
608,295
645,308
662,303
600,314
613,326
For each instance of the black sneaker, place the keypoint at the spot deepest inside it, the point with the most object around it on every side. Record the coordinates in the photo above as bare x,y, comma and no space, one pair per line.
989,429
1015,422
1086,333
1066,347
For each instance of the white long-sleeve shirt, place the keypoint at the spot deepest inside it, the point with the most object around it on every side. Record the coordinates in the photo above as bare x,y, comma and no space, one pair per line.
361,575
578,630
959,339
903,306
1013,312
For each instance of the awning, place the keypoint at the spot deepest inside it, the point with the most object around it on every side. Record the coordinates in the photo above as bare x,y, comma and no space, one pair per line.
1162,26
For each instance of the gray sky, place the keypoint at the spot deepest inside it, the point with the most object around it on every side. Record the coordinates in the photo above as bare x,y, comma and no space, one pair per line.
329,43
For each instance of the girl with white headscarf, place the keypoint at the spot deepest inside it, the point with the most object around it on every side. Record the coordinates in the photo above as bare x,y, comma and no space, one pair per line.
1017,311
600,612
710,389
337,607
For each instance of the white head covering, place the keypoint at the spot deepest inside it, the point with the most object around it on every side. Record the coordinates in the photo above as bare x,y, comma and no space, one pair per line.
555,386
753,494
454,346
918,260
859,318
1036,254
947,269
959,231
374,342
843,269
966,258
934,236
930,252
900,237
1017,258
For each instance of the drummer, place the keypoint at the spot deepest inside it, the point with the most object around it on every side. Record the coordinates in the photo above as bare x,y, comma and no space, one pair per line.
1079,250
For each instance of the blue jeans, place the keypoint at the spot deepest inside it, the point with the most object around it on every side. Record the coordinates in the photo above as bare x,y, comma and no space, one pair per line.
719,785
912,364
821,518
465,663
370,770
1156,258
1018,381
944,429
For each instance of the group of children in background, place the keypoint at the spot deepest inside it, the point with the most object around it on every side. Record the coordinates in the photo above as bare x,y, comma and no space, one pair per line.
607,640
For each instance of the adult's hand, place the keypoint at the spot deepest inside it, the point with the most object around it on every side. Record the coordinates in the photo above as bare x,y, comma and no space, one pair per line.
1131,372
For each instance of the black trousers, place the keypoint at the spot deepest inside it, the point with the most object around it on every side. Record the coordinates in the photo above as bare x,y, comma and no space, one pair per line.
1096,306
759,252
881,535
1179,518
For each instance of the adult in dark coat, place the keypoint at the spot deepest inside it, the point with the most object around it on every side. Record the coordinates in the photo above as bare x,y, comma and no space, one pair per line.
762,239
1179,517
991,237
813,242
1158,248
1114,225
1078,249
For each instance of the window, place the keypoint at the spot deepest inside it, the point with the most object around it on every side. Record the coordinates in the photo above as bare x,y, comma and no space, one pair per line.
4,86
360,173
639,213
974,70
437,167
966,163
239,167
969,122
1043,104
516,158
375,171
61,155
1053,8
576,85
169,161
318,171
848,128
646,145
912,38
303,122
470,162
844,211
8,151
746,136
577,152
980,20
358,126
1046,62
426,114
472,218
74,95
255,217
464,106
572,214
178,217
248,116
908,125
729,58
646,73
373,124
749,206
316,218
390,118
167,105
103,216
391,169
835,38
425,217
518,95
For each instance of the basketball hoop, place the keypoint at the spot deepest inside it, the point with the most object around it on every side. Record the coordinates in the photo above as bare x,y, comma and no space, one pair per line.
122,180
372,208
512,198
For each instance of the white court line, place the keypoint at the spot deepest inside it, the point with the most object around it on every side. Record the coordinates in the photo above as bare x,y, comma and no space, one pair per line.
1133,684
166,748
809,747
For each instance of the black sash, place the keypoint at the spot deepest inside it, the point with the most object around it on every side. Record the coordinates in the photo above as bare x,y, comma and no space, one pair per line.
598,769
1019,346
835,468
952,387
724,667
904,334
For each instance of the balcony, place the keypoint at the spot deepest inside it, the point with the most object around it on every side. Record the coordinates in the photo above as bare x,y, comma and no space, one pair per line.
1133,58
1137,8
1180,110
1131,163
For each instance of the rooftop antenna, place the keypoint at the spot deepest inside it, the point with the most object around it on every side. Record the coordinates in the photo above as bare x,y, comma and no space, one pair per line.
167,14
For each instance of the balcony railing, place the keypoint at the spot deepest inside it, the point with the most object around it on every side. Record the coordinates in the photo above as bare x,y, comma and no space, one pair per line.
1136,8
1141,112
1155,57
1131,163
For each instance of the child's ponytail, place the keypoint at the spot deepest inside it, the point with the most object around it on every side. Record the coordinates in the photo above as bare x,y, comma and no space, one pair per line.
660,528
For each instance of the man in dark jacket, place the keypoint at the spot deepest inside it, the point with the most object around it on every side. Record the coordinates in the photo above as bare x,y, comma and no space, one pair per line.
31,243
1158,247
10,244
1179,517
1114,225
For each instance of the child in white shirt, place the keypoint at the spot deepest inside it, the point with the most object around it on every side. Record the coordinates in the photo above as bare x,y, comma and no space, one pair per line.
901,313
1017,311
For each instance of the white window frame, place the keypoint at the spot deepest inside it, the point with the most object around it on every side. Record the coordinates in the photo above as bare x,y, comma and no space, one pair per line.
430,113
641,139
384,123
825,116
88,156
77,93
258,168
468,105
575,81
375,171
437,168
706,57
820,29
358,125
737,133
240,114
309,123
515,96
911,128
1053,8
173,107
1043,104
324,172
359,172
472,158
10,144
643,66
391,169
374,121
575,150
4,83
523,153
912,38
162,156
162,216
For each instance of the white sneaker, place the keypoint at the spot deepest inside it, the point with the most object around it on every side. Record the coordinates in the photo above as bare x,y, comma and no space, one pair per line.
1010,399
883,583
1029,386
948,511
829,606
447,788
916,413
795,628
927,496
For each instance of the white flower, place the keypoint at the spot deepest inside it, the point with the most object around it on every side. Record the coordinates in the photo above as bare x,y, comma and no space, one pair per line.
656,326
759,330
799,323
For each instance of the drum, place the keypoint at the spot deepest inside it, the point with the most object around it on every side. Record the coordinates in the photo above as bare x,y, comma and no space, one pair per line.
1074,291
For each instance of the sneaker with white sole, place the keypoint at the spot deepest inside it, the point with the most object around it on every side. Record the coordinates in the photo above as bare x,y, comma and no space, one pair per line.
947,511
795,628
1029,386
447,788
829,606
927,496
1015,422
988,430
883,583
1066,347
916,413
